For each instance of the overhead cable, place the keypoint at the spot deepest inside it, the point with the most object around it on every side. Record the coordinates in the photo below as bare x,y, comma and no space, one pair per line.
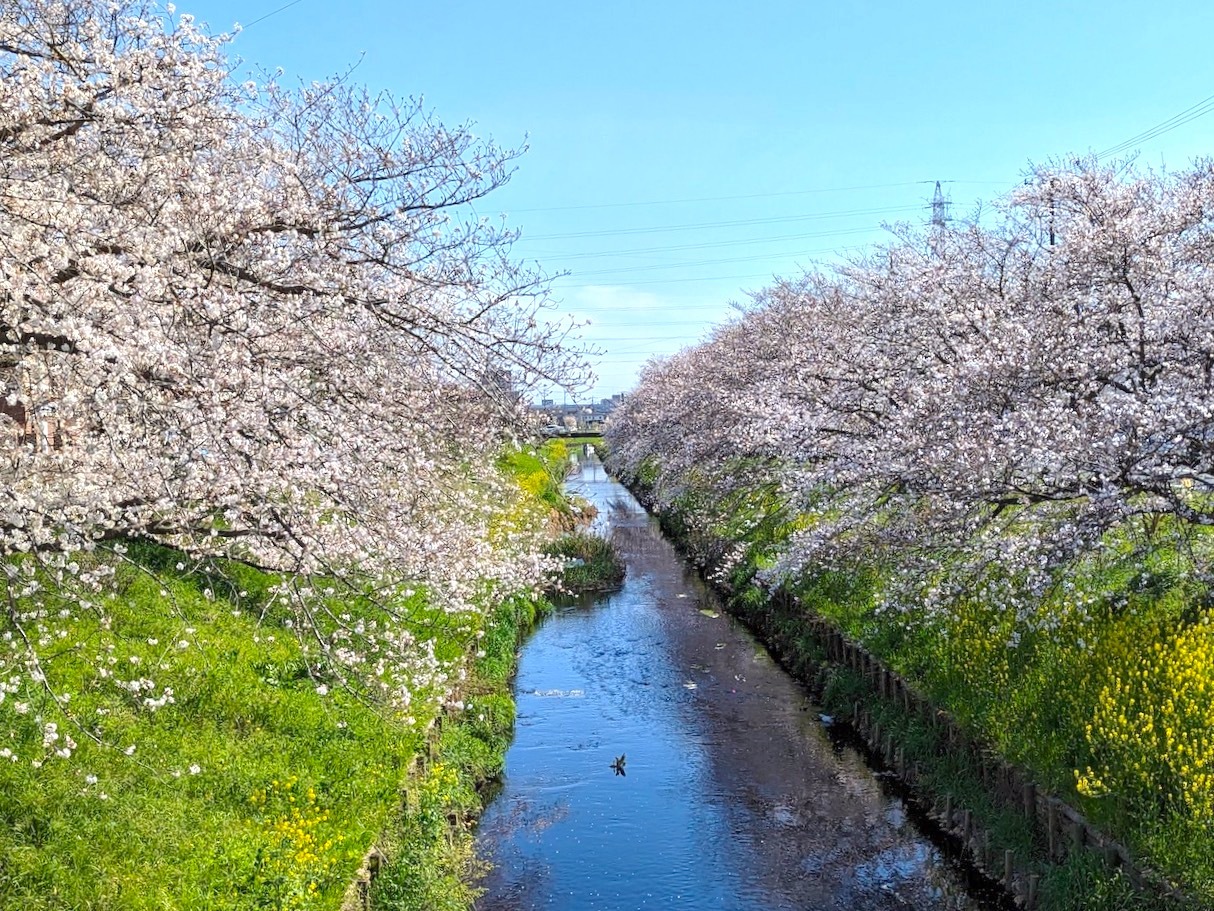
1200,109
696,226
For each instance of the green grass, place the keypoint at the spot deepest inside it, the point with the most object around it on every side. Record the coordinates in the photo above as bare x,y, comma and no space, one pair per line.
540,471
262,784
178,823
591,562
1033,702
1080,883
431,865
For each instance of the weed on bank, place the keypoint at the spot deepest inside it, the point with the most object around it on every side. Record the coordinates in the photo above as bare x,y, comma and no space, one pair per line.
224,773
1110,703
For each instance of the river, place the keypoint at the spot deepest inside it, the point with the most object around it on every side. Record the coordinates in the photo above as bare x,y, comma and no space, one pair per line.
734,795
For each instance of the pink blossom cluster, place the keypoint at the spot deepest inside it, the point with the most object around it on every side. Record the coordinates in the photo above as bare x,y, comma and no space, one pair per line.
1005,390
250,322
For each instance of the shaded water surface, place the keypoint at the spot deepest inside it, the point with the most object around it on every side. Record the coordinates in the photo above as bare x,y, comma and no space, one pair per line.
734,796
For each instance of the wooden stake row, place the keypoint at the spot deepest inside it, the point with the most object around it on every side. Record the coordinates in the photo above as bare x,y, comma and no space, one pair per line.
1059,828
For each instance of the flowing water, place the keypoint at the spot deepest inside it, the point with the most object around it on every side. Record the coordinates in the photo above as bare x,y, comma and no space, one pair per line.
734,795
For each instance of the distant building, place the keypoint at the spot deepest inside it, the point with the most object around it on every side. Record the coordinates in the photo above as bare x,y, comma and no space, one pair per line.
585,417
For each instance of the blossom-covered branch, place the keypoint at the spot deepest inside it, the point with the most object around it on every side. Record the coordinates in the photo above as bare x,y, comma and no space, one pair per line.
253,322
1005,390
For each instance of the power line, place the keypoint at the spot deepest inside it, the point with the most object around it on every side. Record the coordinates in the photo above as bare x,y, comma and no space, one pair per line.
643,339
700,306
632,359
697,226
679,281
1200,109
613,309
699,322
670,202
775,195
706,245
649,352
274,13
628,270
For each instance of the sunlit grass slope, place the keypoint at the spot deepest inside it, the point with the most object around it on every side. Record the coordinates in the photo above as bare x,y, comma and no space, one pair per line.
254,784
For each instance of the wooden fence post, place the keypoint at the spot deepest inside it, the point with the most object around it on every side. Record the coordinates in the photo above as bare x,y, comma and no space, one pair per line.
1076,833
1051,828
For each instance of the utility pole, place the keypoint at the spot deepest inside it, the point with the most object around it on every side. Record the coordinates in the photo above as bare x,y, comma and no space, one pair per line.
940,206
940,217
1053,182
1049,196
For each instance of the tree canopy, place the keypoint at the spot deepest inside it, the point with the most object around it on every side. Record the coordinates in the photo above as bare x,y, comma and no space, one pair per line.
1004,390
249,321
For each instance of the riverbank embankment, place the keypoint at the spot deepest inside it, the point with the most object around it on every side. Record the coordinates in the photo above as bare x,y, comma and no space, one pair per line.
215,762
1035,844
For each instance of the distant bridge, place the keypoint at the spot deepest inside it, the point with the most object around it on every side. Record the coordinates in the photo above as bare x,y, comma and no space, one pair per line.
578,436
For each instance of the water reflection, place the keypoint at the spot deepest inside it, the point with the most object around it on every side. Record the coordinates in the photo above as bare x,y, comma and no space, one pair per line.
734,798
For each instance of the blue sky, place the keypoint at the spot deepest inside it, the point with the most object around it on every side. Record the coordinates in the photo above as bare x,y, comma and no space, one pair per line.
681,154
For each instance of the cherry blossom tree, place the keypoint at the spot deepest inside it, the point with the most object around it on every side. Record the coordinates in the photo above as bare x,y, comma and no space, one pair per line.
1006,391
254,322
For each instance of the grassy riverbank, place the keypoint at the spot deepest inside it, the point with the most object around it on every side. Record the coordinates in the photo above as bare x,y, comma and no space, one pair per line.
1080,882
430,861
1108,707
251,789
590,562
249,782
